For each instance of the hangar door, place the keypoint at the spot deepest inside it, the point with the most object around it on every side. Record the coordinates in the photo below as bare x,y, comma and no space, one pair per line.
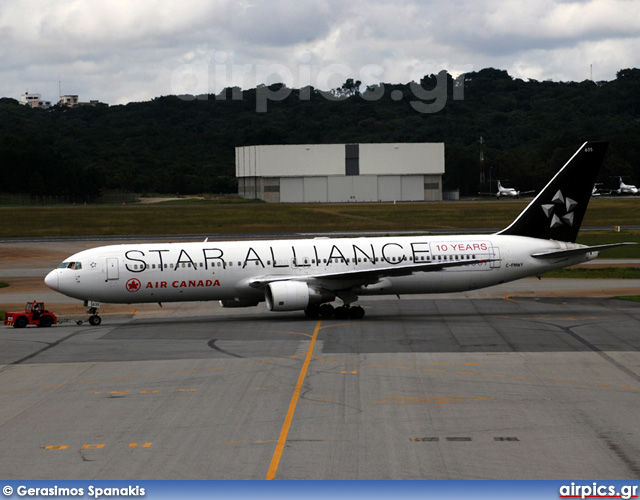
315,190
303,190
412,188
389,188
291,190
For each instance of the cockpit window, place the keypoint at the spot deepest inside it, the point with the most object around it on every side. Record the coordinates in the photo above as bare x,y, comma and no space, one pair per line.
70,265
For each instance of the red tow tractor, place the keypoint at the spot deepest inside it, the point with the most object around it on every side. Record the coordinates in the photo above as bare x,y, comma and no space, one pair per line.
34,314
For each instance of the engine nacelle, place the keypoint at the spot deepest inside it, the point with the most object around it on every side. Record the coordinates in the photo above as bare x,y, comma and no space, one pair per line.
293,296
239,302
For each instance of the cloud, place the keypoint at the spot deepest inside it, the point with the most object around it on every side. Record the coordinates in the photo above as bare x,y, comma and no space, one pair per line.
117,50
570,21
280,24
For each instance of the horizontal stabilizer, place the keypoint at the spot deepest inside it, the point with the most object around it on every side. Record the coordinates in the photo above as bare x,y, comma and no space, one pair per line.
577,251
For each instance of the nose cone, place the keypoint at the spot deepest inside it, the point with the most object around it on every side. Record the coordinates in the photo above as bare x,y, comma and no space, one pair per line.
52,281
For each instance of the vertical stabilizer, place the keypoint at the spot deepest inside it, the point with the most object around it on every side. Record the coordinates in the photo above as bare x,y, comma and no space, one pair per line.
557,212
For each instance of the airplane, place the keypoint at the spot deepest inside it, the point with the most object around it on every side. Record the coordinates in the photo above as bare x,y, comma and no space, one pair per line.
626,188
507,192
308,274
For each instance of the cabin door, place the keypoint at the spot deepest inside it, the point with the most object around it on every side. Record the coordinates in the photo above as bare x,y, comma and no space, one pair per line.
496,255
112,269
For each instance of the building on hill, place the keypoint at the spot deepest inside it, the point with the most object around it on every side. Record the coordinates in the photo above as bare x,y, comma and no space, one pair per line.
72,101
34,101
337,173
68,100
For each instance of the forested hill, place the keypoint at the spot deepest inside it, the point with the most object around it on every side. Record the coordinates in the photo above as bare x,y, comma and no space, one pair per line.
186,144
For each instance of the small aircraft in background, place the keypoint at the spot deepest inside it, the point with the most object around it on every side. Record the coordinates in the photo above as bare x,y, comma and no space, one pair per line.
625,188
507,192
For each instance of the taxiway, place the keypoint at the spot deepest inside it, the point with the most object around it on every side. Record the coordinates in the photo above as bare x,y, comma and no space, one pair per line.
530,380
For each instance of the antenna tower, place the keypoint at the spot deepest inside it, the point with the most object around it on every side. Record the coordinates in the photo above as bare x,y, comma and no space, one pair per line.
481,141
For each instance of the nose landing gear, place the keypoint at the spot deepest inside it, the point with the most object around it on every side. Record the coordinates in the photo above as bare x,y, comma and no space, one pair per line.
94,319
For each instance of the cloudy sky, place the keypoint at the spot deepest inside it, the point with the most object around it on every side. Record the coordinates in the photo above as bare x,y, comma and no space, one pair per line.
118,51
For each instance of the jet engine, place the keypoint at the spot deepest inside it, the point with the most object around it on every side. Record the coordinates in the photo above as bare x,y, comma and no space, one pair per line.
293,296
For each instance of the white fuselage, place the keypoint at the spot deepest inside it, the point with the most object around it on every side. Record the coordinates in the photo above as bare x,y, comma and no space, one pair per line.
172,272
507,192
628,189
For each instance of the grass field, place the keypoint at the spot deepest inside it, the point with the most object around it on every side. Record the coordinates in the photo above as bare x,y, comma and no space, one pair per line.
309,218
631,298
619,273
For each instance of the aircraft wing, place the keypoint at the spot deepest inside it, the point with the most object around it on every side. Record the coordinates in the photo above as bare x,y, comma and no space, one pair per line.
367,276
553,254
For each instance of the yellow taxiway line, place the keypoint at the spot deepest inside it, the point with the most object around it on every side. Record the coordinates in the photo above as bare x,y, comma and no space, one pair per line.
282,440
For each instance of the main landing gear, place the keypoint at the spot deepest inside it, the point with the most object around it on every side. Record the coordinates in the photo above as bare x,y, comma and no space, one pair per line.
328,311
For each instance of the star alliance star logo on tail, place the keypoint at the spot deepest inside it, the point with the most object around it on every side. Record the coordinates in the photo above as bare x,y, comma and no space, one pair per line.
554,210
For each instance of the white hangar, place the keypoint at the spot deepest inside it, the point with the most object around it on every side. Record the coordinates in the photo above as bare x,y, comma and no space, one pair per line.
335,173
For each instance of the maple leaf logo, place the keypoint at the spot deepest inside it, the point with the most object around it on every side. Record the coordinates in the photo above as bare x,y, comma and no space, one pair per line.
560,210
133,285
